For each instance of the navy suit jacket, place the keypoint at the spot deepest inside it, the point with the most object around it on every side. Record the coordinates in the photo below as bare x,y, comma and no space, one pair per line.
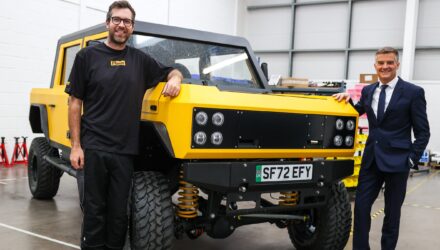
389,141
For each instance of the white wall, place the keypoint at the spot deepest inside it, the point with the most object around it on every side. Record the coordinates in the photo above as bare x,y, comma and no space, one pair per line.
432,89
208,15
29,34
30,29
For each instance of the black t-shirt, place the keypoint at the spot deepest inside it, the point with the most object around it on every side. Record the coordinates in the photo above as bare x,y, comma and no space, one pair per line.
112,83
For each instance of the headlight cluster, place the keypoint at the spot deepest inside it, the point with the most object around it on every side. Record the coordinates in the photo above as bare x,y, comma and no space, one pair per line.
349,141
218,119
338,140
340,124
202,118
348,126
216,138
200,138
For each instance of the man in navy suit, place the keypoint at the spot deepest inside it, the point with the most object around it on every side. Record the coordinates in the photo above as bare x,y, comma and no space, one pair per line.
394,107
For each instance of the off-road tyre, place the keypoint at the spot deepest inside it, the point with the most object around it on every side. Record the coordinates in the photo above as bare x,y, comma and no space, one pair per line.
152,214
328,228
44,180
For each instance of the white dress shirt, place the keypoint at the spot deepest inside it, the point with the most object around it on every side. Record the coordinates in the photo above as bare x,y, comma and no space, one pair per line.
388,94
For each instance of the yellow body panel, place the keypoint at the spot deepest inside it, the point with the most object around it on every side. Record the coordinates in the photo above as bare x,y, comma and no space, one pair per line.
56,105
352,181
176,115
56,99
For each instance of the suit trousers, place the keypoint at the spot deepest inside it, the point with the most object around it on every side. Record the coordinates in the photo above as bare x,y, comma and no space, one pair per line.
370,183
107,183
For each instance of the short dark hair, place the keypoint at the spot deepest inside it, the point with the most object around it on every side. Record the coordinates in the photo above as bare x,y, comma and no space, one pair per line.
120,5
388,50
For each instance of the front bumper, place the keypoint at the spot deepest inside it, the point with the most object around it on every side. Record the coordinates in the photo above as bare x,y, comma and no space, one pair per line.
238,182
225,177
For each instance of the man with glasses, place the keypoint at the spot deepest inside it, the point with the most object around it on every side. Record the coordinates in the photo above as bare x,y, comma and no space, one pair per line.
110,80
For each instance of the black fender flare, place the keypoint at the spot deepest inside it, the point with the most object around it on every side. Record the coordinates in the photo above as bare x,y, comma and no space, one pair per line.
162,131
38,119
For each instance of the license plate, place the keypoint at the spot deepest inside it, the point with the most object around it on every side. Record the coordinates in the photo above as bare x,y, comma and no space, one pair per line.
289,172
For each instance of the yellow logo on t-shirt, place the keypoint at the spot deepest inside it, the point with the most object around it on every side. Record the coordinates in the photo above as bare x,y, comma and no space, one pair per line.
117,63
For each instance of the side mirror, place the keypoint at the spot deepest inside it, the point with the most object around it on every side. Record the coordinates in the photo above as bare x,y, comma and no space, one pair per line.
265,71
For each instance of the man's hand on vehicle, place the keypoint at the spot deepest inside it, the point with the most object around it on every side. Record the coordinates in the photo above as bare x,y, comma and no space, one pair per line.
77,158
341,96
172,87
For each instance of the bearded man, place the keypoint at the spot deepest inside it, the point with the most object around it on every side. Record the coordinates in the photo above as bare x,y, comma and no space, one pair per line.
108,81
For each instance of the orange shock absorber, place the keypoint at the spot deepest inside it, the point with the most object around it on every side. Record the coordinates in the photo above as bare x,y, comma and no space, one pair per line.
188,200
289,198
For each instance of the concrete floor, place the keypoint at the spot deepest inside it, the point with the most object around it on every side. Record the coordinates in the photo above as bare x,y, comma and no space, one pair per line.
26,223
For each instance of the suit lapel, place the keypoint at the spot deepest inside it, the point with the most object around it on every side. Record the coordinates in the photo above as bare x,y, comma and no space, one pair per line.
398,90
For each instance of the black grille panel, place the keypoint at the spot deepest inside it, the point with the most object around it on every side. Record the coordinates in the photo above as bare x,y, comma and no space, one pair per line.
270,130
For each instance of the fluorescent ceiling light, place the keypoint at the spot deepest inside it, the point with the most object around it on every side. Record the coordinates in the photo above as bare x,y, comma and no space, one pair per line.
225,63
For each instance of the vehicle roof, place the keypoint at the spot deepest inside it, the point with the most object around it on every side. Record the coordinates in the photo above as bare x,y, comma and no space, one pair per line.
167,32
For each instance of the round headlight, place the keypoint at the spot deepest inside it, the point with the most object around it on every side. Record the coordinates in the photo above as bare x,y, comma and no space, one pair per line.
350,125
216,138
218,119
200,138
339,124
201,118
337,140
349,141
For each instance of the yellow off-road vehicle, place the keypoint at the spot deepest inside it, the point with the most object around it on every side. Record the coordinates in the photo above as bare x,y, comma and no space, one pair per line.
229,151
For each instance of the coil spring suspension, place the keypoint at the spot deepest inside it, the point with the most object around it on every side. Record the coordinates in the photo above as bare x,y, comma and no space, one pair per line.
188,200
289,198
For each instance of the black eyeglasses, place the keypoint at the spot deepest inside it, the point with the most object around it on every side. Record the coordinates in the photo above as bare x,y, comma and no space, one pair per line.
117,20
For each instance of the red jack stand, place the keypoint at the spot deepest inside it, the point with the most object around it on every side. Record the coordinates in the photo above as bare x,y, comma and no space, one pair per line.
20,150
3,154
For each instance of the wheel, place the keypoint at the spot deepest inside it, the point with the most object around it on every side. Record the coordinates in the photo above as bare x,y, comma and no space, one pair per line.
44,180
328,227
152,214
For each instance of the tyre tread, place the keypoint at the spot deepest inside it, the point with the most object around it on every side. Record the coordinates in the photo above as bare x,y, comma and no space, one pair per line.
335,229
152,212
48,177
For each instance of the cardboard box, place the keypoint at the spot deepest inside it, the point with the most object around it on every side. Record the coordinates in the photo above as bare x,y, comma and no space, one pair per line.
293,82
368,78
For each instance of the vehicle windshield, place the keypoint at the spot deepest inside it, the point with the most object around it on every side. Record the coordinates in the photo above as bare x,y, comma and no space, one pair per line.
201,63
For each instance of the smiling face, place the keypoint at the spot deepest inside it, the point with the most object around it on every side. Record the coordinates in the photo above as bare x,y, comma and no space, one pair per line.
119,27
386,66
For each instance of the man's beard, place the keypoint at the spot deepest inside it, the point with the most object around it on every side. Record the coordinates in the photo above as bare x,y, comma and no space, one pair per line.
114,40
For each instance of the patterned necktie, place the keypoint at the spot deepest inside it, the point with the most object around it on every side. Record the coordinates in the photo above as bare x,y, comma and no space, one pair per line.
381,105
